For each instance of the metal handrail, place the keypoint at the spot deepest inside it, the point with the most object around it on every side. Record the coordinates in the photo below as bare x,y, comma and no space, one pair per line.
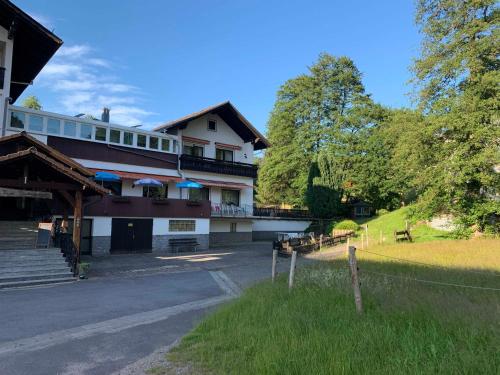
65,242
231,210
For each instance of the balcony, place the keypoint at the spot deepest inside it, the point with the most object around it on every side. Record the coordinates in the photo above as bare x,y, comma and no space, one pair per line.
230,210
202,164
124,206
292,213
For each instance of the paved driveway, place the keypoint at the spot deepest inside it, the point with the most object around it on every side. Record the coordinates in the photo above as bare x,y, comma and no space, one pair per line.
131,306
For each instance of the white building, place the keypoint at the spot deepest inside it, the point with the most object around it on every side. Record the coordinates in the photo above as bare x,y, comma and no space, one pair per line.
213,147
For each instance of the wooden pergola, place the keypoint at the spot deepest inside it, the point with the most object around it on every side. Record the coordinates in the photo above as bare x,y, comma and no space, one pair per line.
31,169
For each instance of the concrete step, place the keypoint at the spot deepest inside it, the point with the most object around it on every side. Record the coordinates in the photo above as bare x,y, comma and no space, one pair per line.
4,267
35,282
30,251
39,276
20,271
28,258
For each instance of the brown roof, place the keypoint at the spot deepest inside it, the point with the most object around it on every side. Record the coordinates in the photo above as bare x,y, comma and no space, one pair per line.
74,175
24,137
33,47
231,116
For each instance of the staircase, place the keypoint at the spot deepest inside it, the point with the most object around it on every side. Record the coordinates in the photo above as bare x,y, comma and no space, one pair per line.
21,264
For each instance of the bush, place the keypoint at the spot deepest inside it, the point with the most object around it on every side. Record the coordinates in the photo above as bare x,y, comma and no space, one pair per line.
382,211
347,224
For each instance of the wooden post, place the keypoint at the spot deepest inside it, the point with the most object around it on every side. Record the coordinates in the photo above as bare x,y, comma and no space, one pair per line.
77,223
292,270
355,279
347,247
320,241
366,231
406,224
273,268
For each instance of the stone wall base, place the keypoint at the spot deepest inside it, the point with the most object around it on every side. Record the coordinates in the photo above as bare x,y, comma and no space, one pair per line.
101,246
161,245
227,238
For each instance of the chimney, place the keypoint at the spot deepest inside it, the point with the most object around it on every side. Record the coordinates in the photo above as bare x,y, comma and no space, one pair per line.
105,115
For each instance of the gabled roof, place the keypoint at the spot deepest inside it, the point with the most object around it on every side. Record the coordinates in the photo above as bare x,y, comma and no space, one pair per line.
22,141
231,116
34,45
54,164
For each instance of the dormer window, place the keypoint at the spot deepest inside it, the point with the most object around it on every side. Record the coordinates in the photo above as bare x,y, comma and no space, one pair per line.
212,125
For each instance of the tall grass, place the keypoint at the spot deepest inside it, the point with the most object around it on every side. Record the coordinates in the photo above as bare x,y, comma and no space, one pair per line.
407,327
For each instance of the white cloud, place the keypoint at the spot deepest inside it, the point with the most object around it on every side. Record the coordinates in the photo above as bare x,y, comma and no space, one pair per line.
82,83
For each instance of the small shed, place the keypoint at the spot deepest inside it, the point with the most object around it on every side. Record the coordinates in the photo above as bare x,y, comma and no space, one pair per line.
360,208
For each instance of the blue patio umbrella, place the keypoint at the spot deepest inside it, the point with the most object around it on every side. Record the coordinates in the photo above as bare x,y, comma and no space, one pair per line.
106,176
148,182
189,184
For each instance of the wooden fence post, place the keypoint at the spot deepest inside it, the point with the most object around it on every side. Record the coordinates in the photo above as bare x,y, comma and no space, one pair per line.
273,269
347,247
320,241
292,269
366,231
355,279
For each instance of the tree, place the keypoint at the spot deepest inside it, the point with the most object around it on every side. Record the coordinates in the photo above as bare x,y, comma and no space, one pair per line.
323,110
32,102
457,79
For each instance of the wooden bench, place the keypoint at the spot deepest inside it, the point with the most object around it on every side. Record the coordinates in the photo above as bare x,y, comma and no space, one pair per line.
402,235
183,243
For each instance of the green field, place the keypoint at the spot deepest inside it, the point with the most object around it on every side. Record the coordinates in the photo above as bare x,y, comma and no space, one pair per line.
396,220
407,326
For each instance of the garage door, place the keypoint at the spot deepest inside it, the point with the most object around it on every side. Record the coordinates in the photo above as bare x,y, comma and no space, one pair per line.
131,235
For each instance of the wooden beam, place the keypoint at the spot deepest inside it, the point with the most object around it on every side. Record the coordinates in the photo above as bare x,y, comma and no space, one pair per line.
6,192
77,223
67,196
11,182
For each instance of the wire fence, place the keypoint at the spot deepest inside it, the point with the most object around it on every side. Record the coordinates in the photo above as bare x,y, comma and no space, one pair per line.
428,264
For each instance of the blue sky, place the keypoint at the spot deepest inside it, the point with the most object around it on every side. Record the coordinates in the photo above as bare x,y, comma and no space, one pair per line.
153,61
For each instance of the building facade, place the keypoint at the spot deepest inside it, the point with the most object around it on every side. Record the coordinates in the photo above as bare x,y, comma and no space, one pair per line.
213,148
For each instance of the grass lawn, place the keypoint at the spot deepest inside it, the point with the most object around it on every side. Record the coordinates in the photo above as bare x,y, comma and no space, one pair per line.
407,327
395,220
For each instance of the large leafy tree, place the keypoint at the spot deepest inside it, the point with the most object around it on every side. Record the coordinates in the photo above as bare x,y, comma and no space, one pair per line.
323,111
457,76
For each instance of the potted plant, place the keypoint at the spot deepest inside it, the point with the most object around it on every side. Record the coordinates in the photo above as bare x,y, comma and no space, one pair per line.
83,269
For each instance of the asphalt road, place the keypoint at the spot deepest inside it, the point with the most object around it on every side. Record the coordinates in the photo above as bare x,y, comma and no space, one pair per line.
130,308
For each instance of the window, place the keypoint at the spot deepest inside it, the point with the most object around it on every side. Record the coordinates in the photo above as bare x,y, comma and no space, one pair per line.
193,150
128,138
182,225
85,131
114,136
156,192
36,123
199,194
231,197
232,227
165,144
100,134
141,140
221,154
53,126
17,120
153,143
212,125
70,128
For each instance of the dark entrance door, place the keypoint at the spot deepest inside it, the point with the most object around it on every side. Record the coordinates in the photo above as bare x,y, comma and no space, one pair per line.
86,233
131,235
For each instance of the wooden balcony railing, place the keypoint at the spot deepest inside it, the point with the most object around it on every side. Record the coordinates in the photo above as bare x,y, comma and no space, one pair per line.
202,164
281,212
